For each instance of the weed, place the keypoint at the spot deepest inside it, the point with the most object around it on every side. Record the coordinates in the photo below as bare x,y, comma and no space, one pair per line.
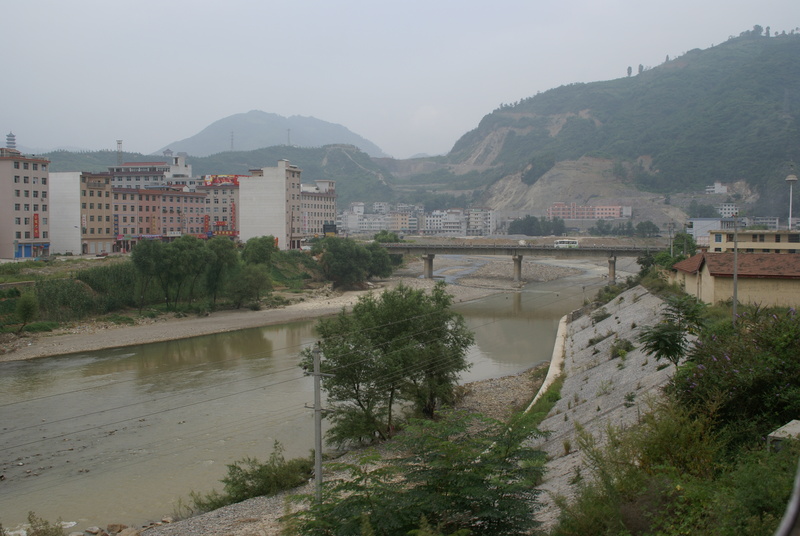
629,398
606,386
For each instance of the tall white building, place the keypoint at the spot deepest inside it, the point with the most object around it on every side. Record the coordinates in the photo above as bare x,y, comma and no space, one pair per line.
65,214
269,202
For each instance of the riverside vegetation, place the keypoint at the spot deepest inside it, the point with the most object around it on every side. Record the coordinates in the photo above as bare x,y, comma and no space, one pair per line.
696,463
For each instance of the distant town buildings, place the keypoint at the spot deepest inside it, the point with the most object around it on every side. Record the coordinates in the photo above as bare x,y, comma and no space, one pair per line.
573,211
717,188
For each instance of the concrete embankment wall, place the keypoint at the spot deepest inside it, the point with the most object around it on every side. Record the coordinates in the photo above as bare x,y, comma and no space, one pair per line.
598,391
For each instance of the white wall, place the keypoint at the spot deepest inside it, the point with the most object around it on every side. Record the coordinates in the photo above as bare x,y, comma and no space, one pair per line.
65,212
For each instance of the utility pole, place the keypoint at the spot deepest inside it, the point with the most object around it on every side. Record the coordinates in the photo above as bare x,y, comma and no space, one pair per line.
735,264
315,353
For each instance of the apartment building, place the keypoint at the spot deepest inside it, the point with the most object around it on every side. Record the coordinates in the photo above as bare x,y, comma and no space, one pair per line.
172,171
24,204
748,241
317,208
270,203
222,204
573,211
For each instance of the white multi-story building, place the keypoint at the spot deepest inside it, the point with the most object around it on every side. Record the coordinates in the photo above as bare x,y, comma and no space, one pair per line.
317,208
480,222
65,215
173,170
270,202
728,210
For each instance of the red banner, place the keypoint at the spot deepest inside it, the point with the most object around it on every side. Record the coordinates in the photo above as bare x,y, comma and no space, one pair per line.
36,226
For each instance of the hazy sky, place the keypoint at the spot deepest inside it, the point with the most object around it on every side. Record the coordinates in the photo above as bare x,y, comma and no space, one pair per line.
411,76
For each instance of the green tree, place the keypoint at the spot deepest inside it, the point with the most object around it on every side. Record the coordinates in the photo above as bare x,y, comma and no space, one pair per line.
462,474
387,237
683,244
380,262
191,262
647,229
145,257
683,315
343,261
259,250
27,309
402,346
222,258
247,283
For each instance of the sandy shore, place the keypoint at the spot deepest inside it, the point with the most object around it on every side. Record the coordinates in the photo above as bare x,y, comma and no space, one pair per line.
491,276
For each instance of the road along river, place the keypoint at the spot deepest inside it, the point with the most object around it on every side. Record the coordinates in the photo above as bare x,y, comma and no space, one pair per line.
122,435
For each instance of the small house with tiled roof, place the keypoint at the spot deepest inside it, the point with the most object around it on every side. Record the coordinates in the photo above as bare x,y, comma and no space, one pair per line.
766,279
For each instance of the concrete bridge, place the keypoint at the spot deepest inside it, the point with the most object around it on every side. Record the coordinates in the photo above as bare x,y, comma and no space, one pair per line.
517,252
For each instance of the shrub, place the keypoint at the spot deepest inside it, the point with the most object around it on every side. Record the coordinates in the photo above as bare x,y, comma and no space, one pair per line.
620,348
39,327
249,478
600,315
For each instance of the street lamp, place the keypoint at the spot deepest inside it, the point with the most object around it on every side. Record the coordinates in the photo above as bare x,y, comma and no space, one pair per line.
791,179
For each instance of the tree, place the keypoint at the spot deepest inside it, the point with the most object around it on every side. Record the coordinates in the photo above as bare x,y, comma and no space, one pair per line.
145,257
343,261
222,258
402,346
630,70
646,229
259,250
387,237
380,263
683,316
462,474
683,244
191,258
247,283
27,309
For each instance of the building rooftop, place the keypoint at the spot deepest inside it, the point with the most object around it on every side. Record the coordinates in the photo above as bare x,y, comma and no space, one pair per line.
758,265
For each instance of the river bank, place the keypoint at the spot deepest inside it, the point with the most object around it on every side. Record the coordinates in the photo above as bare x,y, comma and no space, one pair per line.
486,276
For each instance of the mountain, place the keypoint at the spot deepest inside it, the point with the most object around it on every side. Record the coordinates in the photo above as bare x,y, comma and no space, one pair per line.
728,113
256,129
654,140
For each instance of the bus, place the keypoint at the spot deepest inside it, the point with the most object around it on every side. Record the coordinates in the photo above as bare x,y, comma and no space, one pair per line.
566,243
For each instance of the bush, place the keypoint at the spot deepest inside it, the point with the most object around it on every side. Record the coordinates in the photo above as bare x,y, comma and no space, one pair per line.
249,478
65,299
620,348
748,378
40,327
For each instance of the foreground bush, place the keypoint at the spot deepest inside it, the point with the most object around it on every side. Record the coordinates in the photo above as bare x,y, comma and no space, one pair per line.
249,478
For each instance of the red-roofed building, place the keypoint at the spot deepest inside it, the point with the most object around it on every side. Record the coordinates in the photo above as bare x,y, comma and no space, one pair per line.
762,278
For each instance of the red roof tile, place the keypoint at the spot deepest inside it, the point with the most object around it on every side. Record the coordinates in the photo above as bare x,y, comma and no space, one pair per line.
691,265
761,265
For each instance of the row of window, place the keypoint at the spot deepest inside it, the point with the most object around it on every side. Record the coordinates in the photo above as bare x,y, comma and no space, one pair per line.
34,164
27,234
27,221
27,207
27,193
27,180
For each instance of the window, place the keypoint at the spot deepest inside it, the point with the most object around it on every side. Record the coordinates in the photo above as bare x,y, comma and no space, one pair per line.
35,166
794,238
16,206
44,208
25,166
44,221
27,233
16,193
27,221
16,221
19,234
16,165
26,180
777,238
44,168
718,238
45,234
26,207
35,208
16,179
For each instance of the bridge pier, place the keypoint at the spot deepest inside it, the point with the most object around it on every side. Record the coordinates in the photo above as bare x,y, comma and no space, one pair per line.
517,268
427,263
612,270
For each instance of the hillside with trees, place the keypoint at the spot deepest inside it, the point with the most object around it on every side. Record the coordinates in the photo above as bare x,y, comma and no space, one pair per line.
728,113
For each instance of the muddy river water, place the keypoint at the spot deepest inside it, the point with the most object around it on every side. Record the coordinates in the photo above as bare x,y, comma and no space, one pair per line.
123,435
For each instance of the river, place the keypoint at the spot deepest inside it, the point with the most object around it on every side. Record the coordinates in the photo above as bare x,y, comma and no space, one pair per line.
124,435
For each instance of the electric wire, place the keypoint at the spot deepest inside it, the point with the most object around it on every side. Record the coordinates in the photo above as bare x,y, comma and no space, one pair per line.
435,366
